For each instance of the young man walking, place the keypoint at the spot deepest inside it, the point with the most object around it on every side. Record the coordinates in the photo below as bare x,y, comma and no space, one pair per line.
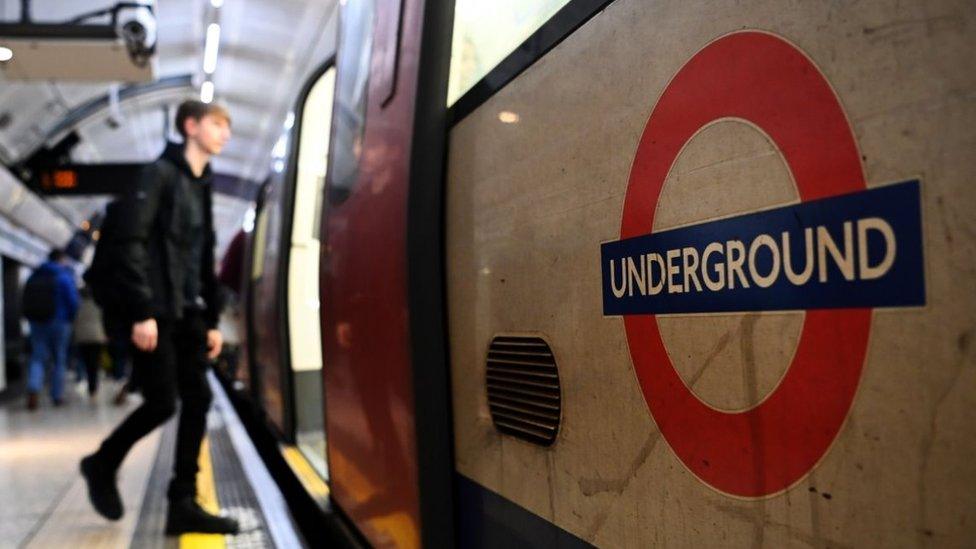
50,304
168,291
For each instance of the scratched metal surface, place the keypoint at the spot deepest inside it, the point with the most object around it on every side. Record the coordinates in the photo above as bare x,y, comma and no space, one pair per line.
530,203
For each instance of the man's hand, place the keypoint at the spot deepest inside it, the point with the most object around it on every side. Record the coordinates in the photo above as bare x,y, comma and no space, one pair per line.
145,335
215,343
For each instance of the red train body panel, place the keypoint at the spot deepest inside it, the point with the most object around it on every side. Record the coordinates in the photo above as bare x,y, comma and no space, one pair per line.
368,386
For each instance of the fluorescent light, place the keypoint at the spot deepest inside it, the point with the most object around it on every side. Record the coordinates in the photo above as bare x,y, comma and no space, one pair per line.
6,54
207,92
280,147
210,49
508,117
249,217
216,3
289,120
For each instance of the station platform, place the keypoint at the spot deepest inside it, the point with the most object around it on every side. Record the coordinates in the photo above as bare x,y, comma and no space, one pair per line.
44,502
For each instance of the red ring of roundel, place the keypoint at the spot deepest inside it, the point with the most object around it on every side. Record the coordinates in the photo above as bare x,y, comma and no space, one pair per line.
767,81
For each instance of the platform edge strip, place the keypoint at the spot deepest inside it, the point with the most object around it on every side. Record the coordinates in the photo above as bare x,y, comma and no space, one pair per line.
207,497
273,507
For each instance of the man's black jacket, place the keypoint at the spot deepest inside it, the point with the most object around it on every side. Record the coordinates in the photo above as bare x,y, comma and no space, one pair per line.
150,235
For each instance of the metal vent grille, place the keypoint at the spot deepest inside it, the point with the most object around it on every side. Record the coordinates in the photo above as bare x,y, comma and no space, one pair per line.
523,388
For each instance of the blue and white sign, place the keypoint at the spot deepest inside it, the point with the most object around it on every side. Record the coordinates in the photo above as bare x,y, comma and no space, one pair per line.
857,250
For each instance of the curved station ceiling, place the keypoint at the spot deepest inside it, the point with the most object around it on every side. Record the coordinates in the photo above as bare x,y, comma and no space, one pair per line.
264,50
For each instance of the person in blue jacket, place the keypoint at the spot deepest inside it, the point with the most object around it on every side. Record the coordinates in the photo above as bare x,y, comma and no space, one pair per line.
53,284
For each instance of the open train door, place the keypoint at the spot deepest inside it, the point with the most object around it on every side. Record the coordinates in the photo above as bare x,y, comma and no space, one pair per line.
383,331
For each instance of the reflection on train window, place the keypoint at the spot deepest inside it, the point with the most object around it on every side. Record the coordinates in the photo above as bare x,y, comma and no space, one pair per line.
260,240
486,32
303,270
352,62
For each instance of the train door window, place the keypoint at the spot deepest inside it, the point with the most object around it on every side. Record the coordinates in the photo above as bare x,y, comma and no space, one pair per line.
260,241
352,62
303,269
486,32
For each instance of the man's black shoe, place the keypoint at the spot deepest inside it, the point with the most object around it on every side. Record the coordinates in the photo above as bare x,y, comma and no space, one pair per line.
102,492
185,515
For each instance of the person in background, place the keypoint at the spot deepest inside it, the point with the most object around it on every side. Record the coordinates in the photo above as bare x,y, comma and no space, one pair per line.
89,339
117,332
100,280
50,304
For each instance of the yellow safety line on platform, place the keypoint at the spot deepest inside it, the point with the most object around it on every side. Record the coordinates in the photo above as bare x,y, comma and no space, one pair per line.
311,480
207,497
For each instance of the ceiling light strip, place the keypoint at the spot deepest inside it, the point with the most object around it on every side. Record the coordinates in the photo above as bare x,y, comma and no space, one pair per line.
211,47
207,91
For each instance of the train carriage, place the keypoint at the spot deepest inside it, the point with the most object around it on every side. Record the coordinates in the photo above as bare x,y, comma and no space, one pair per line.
530,203
664,274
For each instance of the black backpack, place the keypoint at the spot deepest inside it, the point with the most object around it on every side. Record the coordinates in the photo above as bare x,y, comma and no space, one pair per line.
100,277
40,296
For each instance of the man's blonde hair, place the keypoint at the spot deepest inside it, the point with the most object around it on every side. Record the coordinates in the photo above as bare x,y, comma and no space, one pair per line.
196,110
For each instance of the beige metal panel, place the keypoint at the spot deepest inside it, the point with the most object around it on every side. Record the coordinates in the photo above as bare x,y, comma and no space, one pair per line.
529,204
74,60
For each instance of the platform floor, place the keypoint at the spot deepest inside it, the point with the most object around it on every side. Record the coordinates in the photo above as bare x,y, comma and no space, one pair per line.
43,501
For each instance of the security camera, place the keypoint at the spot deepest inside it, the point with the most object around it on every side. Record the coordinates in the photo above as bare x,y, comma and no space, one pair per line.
136,26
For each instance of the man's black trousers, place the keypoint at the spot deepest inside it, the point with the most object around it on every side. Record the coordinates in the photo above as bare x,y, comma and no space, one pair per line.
177,368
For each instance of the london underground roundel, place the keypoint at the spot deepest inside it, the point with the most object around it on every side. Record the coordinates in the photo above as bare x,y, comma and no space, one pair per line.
838,254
